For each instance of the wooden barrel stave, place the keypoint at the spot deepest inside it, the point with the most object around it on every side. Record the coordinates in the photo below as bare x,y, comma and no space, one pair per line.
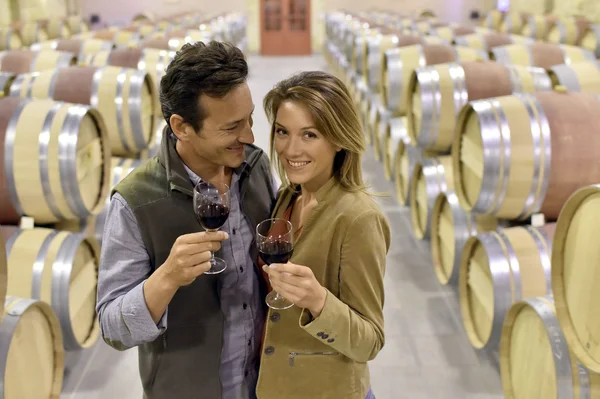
574,275
497,269
438,93
38,343
431,177
64,175
579,77
451,227
402,62
60,269
130,121
531,341
395,131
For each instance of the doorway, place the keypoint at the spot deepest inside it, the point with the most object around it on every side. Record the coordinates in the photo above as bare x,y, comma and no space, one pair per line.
285,27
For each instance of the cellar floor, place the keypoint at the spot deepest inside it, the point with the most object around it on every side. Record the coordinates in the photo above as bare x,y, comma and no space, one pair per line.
427,354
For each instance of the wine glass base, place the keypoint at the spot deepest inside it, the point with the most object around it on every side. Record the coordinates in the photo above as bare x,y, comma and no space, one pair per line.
218,265
278,302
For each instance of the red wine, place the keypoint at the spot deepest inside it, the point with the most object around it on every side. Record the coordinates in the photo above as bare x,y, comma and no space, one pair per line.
212,216
275,251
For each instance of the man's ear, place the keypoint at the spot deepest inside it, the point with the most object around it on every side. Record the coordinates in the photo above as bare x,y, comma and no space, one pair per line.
181,128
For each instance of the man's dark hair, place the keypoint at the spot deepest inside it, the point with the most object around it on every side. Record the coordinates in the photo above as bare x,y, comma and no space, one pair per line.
213,69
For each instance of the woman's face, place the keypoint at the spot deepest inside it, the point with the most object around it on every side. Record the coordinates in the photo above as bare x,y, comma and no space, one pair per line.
305,154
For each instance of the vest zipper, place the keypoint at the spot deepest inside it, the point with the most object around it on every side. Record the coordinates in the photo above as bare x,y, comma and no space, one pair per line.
164,339
294,354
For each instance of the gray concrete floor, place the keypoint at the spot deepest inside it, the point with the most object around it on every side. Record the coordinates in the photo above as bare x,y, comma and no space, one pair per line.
427,354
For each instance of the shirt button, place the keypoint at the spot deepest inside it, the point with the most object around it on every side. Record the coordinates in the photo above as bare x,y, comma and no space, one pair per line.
246,373
275,317
269,350
319,334
330,340
244,306
233,231
241,269
249,343
324,336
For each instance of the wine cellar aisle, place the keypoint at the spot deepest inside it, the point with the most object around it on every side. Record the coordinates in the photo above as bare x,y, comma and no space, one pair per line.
426,355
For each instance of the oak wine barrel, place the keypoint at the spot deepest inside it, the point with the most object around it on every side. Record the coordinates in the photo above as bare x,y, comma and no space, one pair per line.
575,257
129,120
154,146
535,360
382,115
581,76
25,61
61,269
9,39
535,170
77,24
93,226
150,60
437,94
451,227
568,30
407,157
76,46
31,32
538,26
431,177
6,80
32,357
375,47
514,22
391,56
591,40
487,41
54,163
57,28
173,44
494,19
403,61
395,132
497,269
121,38
450,33
371,105
543,55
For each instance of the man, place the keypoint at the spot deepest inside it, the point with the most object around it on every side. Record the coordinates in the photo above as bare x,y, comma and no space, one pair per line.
198,335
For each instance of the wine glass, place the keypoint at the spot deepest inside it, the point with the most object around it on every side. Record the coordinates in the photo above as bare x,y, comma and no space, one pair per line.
275,242
211,206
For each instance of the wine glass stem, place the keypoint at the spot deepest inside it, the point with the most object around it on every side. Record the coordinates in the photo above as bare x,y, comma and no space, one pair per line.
212,257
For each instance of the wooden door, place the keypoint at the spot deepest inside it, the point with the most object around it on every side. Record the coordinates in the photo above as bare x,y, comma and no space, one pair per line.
285,27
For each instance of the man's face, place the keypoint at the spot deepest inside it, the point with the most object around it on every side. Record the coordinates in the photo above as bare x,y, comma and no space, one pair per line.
226,128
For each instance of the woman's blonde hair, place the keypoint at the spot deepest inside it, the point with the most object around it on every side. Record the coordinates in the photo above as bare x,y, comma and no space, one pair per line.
334,115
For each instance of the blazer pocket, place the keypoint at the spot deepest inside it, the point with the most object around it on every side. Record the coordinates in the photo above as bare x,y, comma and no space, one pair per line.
311,355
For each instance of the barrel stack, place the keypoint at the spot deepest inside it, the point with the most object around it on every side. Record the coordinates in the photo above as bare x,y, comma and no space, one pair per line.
489,136
79,111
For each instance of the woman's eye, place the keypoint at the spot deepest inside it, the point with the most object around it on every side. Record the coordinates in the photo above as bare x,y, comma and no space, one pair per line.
311,135
279,131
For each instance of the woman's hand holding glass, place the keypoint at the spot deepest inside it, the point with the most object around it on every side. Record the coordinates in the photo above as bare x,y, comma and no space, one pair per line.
297,284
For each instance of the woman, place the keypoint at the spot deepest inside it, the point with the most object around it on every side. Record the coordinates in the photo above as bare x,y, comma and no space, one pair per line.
319,348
